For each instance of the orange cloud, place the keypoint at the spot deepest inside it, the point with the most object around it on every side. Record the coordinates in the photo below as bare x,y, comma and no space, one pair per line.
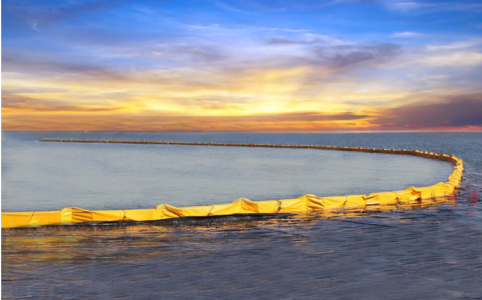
12,104
147,121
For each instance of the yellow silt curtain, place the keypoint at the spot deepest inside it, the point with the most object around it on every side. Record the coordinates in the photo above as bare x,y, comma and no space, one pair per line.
304,204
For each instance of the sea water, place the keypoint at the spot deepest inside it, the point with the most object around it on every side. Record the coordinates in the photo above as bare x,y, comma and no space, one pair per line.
409,253
50,176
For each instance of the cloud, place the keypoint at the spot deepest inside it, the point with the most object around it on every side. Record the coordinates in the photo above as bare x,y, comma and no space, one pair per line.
343,56
406,5
435,113
282,41
459,110
176,68
194,52
39,12
424,6
19,63
166,121
458,59
309,39
18,103
303,117
249,6
294,30
455,45
406,34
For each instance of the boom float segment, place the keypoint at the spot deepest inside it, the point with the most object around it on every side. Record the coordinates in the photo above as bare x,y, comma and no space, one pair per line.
304,204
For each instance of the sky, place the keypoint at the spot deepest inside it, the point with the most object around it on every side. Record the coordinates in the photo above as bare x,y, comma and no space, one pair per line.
242,65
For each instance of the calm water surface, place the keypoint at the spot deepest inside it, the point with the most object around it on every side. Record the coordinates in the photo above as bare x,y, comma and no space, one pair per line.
49,176
428,252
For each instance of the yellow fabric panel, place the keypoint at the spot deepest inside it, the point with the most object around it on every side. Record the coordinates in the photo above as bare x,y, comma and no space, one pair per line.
445,157
16,219
107,215
166,211
459,169
355,201
268,207
66,215
394,197
45,218
426,192
385,198
319,204
139,214
222,209
195,211
312,202
444,189
246,206
409,195
455,179
80,215
239,206
297,205
440,189
72,215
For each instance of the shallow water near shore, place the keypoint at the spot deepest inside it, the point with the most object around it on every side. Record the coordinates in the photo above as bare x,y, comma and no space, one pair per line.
434,250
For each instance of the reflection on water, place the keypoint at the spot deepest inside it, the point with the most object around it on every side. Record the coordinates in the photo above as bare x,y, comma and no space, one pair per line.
172,237
430,252
265,257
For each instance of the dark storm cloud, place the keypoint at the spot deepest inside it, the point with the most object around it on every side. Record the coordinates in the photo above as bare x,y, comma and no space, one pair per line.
460,110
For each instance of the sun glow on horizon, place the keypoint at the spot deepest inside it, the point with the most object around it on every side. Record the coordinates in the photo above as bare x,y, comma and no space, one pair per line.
251,70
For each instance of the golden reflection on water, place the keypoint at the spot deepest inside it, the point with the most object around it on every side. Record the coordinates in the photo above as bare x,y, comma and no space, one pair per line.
139,241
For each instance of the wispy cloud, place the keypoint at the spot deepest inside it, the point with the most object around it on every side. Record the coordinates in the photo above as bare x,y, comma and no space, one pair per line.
308,39
294,30
407,5
343,56
172,122
48,65
427,6
405,34
17,103
455,45
45,14
459,58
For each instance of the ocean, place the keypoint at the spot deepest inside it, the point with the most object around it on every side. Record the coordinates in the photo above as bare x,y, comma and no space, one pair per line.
435,250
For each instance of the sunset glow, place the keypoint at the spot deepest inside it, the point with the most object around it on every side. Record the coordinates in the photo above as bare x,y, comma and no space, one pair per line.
283,66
